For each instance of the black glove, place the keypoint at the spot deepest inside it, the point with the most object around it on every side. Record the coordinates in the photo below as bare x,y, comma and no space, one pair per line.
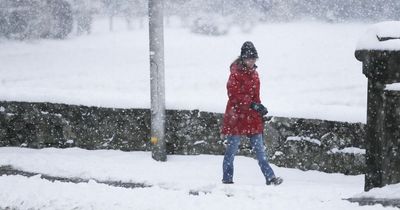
259,108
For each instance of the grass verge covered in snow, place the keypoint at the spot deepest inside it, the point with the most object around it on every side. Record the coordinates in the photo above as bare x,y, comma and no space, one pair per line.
307,69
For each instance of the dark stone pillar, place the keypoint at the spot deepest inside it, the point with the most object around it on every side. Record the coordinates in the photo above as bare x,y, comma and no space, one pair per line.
381,67
391,138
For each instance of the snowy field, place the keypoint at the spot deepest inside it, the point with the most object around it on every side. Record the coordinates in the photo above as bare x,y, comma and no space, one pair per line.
307,69
171,181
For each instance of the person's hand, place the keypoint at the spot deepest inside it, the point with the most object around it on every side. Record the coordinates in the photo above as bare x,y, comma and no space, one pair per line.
259,108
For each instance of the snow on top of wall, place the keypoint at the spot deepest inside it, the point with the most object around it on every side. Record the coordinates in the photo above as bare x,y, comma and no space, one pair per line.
302,138
394,86
349,150
381,36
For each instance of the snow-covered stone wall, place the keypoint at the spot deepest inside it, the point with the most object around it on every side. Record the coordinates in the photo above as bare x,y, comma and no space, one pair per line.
298,143
322,145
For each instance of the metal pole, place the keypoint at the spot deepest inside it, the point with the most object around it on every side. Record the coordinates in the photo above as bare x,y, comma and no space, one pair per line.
157,83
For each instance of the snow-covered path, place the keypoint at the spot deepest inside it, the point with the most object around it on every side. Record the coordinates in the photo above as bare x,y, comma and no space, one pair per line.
172,183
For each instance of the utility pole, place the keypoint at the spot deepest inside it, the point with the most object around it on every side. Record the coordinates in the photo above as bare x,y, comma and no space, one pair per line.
157,83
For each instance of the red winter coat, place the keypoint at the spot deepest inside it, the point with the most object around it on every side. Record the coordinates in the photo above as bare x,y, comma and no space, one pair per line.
243,88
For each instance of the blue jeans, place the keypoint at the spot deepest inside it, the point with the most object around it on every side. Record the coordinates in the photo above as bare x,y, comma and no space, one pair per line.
257,143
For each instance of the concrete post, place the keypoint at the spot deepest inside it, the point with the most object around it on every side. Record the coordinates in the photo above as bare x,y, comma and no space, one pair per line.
157,83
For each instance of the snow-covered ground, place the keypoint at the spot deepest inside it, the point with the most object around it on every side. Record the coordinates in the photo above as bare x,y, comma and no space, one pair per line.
387,192
307,69
172,183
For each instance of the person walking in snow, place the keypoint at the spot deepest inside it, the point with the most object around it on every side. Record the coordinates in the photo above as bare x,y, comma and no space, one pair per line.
244,114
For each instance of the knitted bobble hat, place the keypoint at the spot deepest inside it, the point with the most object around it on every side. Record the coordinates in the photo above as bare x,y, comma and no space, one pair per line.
248,50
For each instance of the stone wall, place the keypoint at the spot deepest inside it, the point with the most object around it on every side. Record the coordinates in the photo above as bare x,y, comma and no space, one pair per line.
317,144
38,125
298,143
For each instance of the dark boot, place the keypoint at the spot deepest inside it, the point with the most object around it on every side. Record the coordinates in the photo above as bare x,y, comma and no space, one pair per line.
227,182
275,181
